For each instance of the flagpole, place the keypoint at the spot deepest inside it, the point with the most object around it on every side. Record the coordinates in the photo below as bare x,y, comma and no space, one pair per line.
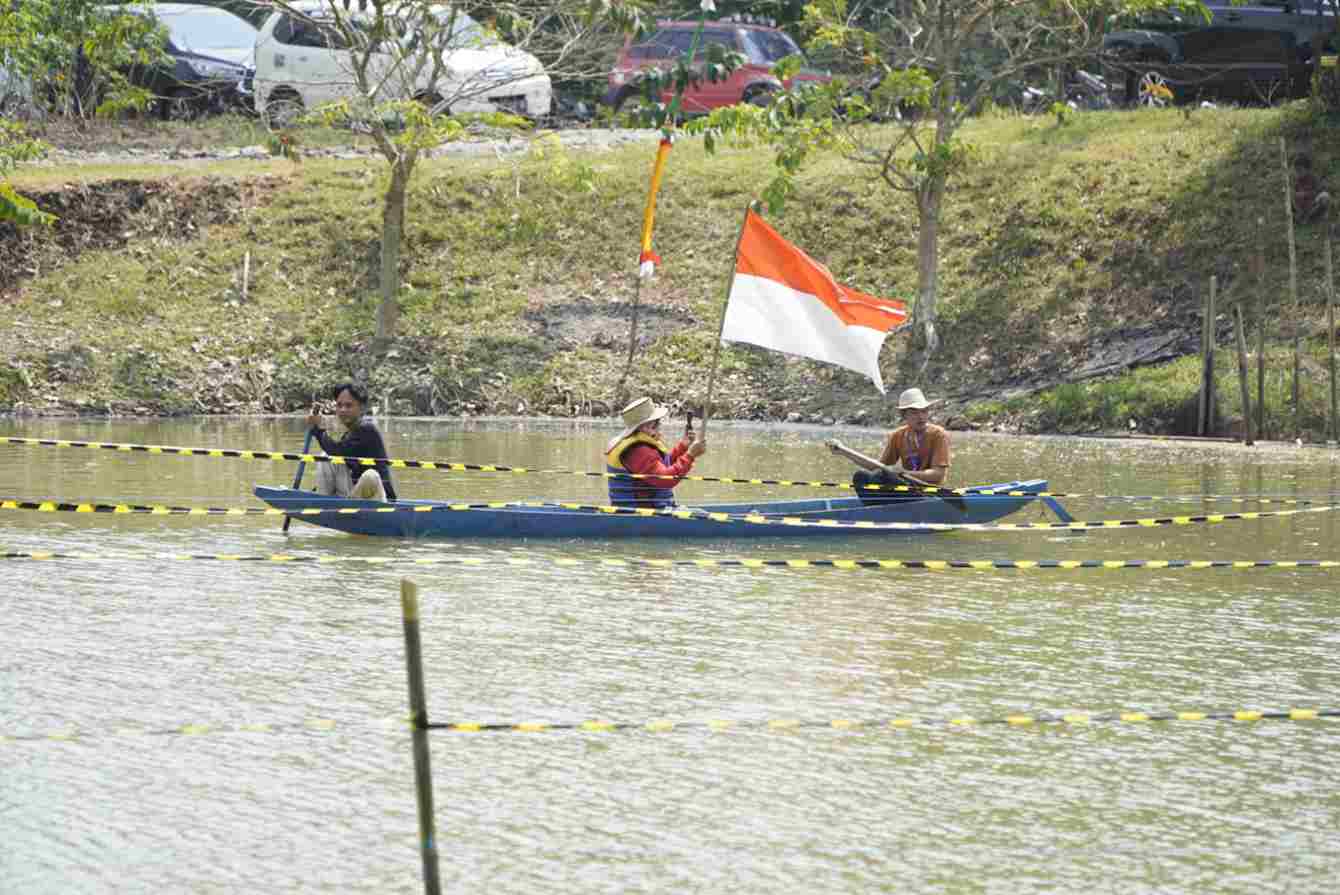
721,327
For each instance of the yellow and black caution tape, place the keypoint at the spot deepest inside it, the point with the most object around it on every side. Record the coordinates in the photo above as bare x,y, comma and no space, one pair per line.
666,725
51,506
116,509
444,465
932,565
193,729
453,466
1019,720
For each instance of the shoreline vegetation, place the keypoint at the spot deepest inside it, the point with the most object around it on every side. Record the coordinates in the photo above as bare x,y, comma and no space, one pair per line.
1075,260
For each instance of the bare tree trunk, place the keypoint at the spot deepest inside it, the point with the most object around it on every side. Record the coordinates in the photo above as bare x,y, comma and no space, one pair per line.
393,233
928,261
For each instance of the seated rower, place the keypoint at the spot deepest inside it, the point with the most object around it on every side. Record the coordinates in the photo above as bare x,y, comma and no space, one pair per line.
360,439
639,449
915,454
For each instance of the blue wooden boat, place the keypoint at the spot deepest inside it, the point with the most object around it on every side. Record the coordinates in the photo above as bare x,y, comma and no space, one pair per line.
434,519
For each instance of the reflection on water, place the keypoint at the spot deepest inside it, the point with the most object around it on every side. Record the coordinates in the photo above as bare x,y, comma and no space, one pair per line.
115,647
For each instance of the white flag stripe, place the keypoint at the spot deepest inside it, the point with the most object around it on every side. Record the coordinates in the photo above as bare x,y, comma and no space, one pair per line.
772,315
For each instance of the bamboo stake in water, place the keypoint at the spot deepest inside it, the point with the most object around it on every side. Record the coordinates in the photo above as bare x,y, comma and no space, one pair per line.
1205,406
1260,328
1330,325
1293,282
1240,328
418,707
1210,393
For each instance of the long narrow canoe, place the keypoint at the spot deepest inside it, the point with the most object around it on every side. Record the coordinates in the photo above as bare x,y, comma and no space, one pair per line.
436,519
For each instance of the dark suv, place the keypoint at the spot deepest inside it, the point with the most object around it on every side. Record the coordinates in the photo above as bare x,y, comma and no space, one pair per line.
210,52
1257,53
763,47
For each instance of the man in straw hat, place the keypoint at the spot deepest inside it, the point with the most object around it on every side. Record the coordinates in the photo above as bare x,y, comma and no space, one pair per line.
639,449
916,453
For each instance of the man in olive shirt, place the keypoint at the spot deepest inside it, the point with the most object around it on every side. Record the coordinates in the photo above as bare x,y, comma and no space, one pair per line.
916,453
361,439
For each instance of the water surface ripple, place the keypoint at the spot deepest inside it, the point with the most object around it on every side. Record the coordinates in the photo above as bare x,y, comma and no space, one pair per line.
322,799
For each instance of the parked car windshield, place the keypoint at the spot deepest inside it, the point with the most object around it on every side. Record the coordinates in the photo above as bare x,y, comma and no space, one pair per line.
767,47
207,30
466,32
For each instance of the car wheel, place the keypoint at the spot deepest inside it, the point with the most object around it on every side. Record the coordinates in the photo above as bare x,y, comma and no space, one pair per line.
761,97
432,104
632,106
282,109
181,104
1152,89
629,100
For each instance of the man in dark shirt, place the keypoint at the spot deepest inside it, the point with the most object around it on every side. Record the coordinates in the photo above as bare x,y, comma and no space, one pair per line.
361,439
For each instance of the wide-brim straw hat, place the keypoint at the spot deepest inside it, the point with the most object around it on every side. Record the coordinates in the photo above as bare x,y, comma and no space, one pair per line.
641,411
913,399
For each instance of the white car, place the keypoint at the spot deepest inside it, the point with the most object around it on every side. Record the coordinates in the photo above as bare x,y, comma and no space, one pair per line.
302,62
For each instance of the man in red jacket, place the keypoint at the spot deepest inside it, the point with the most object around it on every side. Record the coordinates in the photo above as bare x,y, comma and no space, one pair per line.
638,449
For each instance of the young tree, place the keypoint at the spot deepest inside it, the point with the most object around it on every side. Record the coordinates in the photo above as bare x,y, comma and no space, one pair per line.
412,68
921,68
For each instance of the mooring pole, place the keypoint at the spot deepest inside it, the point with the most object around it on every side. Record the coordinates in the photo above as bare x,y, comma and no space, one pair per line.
418,709
1205,406
1210,394
1204,347
1330,324
1260,257
1239,328
1294,308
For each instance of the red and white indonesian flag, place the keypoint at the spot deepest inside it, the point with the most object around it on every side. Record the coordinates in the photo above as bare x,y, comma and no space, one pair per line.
783,299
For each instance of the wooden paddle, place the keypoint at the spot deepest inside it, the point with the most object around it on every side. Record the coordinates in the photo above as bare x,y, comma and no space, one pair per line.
918,488
297,479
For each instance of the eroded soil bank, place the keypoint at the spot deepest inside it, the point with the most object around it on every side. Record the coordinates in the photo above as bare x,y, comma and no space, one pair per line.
229,283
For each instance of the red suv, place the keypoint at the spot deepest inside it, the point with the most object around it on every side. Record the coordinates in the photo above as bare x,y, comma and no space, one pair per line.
762,46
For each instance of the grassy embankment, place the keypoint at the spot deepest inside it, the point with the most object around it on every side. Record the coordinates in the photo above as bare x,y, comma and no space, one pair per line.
1061,244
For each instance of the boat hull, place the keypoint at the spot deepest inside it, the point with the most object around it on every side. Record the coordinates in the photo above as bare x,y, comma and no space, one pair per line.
409,520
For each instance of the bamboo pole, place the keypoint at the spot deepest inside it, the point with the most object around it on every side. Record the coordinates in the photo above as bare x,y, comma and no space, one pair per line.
622,394
1293,282
721,327
1204,344
1240,329
418,706
1330,326
1260,328
1205,406
1210,392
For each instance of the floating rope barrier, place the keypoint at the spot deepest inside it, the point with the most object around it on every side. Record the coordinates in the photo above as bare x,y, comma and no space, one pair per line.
48,506
452,466
665,725
194,729
1029,720
932,565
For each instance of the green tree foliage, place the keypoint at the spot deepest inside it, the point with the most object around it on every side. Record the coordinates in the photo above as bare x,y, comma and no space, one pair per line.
73,56
15,147
915,70
399,64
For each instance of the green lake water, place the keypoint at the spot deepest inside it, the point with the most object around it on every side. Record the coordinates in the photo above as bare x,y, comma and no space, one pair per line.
303,780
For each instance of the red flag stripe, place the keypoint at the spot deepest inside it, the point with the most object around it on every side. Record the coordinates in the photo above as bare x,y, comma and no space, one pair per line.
765,253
